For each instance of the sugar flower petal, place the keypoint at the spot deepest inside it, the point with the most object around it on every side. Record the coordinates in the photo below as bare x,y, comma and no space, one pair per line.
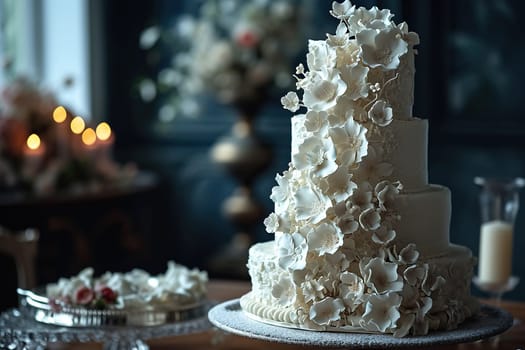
326,311
382,311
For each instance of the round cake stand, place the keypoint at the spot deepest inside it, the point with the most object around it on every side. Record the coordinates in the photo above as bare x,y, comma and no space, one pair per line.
229,317
18,331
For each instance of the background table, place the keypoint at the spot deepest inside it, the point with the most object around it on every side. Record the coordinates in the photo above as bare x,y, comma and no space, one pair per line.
225,290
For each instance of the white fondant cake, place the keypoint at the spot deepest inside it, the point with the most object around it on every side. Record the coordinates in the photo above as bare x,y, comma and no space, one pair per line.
361,237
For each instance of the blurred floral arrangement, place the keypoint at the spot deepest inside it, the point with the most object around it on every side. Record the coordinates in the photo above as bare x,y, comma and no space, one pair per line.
45,150
237,51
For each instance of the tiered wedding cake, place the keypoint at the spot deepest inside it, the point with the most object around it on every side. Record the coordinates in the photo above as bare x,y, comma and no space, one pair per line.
361,238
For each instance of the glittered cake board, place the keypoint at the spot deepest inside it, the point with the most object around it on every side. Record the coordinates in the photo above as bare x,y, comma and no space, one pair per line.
229,317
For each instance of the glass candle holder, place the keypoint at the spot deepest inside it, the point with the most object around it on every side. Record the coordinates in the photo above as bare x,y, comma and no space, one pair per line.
499,204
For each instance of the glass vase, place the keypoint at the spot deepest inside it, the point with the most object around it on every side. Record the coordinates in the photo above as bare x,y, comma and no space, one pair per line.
499,204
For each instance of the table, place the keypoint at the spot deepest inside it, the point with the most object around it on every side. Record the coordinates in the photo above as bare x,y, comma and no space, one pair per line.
222,290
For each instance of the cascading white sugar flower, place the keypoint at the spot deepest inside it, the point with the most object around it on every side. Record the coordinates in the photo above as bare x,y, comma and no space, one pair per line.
316,122
382,312
374,18
310,204
290,101
292,250
326,238
362,196
350,142
340,185
284,290
380,113
386,193
370,219
382,48
280,193
271,223
381,276
373,168
354,76
351,289
322,89
383,235
409,254
320,56
326,311
316,154
342,10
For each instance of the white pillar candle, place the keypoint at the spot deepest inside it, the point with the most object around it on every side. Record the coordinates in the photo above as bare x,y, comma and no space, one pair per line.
495,252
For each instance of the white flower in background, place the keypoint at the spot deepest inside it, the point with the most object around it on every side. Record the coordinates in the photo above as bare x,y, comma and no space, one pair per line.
355,78
292,250
149,37
380,113
325,238
386,192
316,154
382,312
370,219
383,235
326,311
320,56
342,10
340,185
323,89
311,204
380,275
290,101
350,142
351,289
284,290
147,90
382,48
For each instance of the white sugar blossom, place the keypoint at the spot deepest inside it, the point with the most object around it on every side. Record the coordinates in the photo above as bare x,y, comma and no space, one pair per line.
380,275
323,89
348,224
373,18
342,10
290,101
341,37
373,168
350,142
280,193
320,55
409,254
316,154
383,235
325,238
415,274
380,113
340,185
292,250
382,312
355,78
370,219
362,196
316,122
326,311
284,290
272,223
312,290
310,204
382,48
351,289
386,193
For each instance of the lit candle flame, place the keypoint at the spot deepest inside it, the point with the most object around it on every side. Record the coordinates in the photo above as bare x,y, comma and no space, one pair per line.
33,142
59,114
89,136
77,125
103,131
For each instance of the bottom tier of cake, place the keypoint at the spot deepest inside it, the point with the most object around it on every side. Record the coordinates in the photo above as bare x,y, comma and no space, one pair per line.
432,295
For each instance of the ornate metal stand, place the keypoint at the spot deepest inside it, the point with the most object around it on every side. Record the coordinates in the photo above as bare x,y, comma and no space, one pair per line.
243,155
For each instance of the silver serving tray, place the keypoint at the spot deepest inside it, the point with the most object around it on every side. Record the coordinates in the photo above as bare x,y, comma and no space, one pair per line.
36,305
